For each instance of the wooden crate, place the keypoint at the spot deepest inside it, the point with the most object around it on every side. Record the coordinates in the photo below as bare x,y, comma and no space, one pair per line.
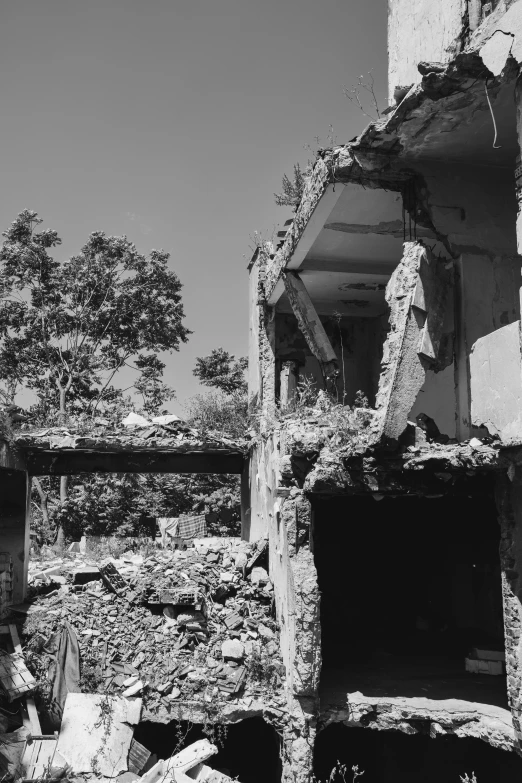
38,756
15,678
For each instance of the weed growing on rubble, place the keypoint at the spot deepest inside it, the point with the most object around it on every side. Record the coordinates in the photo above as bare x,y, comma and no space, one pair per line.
262,670
338,773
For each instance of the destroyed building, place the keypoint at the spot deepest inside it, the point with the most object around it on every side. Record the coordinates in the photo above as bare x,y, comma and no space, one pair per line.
394,513
385,371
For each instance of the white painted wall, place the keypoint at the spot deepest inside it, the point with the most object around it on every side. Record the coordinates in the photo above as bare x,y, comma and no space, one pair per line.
421,30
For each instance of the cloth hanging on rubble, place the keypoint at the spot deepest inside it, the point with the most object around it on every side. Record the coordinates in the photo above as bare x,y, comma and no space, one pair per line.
192,527
166,525
65,674
11,750
182,527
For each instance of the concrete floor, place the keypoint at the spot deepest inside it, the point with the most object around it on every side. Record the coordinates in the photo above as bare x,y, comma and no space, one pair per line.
411,677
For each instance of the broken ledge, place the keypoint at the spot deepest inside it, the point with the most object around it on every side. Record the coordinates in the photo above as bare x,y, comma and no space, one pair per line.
233,712
440,717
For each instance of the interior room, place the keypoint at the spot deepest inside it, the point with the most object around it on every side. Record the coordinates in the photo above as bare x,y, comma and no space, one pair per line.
393,756
410,588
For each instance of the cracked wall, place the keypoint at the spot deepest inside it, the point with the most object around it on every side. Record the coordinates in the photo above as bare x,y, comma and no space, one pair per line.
423,30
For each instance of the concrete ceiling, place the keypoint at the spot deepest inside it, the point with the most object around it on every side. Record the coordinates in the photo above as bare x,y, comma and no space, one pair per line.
348,250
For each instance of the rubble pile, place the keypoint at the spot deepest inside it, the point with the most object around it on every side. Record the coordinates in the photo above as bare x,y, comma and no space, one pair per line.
134,432
183,625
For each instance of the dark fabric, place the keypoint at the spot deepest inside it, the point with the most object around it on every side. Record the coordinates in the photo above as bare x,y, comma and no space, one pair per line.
65,673
11,750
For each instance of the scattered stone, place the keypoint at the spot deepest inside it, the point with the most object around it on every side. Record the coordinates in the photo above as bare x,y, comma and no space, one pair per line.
259,576
233,649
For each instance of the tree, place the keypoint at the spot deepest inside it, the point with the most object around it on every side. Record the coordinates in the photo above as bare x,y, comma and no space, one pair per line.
68,327
221,370
292,189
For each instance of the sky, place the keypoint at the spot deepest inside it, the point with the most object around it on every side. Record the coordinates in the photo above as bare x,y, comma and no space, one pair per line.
173,121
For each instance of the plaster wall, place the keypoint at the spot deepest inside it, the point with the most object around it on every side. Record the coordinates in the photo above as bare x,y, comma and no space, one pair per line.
422,30
474,208
496,388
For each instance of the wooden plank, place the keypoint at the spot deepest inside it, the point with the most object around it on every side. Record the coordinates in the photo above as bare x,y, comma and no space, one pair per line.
310,323
16,639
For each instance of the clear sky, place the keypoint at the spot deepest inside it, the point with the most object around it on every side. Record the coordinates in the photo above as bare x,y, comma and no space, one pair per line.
172,121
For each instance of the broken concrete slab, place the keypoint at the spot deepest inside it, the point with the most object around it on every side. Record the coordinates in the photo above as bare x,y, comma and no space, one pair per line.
96,733
445,716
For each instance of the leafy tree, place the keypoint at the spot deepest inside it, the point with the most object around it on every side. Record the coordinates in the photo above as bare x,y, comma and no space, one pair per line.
292,189
221,370
68,327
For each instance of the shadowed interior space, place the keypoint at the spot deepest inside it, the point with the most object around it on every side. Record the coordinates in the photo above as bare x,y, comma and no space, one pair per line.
389,757
409,588
248,750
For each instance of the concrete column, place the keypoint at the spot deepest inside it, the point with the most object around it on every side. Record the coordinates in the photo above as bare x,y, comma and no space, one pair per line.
14,526
509,504
288,384
518,163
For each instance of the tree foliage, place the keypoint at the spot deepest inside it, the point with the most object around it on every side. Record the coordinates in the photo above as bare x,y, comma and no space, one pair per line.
221,370
292,189
68,327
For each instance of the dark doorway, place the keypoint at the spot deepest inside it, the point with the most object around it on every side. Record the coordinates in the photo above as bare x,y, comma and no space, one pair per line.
409,587
248,750
392,757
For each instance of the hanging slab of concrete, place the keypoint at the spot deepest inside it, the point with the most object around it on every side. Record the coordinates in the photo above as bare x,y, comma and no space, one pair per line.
496,383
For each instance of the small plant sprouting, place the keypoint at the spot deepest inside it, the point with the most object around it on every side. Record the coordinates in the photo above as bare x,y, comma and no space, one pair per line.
355,93
468,779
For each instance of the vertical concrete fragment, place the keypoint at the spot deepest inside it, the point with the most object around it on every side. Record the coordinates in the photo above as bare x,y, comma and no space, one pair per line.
261,351
509,504
288,384
297,595
416,295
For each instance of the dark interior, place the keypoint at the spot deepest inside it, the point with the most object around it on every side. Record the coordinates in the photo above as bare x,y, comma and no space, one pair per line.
408,587
248,750
392,757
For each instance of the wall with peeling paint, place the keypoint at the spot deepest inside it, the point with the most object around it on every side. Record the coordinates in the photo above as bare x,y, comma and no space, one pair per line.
475,209
424,30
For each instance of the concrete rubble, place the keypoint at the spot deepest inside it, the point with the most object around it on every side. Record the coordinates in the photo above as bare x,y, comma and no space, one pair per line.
185,627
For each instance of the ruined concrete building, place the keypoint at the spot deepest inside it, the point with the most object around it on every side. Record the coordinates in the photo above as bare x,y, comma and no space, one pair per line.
395,522
385,371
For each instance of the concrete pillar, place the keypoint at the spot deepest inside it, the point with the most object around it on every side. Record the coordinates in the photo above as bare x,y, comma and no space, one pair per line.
14,526
288,384
509,504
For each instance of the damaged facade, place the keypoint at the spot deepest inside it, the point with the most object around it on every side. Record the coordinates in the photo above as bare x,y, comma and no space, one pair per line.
385,369
392,499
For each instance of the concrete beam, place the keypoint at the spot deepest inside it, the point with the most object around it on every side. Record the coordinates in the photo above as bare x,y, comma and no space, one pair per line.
70,462
310,323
